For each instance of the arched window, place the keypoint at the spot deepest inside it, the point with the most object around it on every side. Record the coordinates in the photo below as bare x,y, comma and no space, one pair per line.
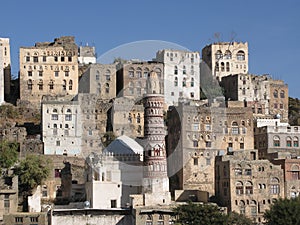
249,188
282,94
70,85
227,67
248,170
107,88
275,94
69,111
158,72
274,188
253,208
295,172
222,66
219,55
138,118
40,84
146,72
107,75
184,82
234,128
239,189
54,111
131,72
227,54
276,141
29,84
175,70
175,81
238,170
288,142
296,141
217,67
184,70
242,207
192,82
240,55
64,85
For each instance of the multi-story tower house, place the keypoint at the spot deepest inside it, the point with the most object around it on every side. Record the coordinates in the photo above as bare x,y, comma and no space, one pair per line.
225,58
277,140
196,134
99,79
86,55
49,69
132,77
155,180
267,97
181,75
61,127
127,117
4,68
247,185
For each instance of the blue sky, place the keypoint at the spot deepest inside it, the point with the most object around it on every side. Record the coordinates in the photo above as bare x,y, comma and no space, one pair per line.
271,28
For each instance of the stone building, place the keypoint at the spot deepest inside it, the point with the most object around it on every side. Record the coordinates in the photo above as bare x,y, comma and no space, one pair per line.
275,141
291,171
225,58
8,194
5,65
48,68
66,181
99,79
86,55
268,98
94,122
132,77
181,75
37,218
127,117
61,127
118,169
247,185
196,134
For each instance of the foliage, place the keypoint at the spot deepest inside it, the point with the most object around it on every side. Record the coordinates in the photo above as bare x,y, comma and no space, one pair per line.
294,111
107,138
8,154
32,171
208,215
9,111
284,211
199,214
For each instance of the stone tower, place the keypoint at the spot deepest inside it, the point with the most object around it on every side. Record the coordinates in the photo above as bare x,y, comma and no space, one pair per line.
155,180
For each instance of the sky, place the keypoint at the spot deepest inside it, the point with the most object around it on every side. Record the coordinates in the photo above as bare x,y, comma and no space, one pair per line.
271,28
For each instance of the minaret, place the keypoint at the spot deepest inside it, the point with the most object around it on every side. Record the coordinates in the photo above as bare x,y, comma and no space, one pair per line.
155,181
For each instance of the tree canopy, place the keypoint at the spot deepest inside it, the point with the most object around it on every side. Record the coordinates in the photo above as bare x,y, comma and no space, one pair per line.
205,214
284,211
32,171
8,154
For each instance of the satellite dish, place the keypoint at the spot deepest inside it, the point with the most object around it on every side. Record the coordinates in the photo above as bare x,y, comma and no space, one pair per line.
277,116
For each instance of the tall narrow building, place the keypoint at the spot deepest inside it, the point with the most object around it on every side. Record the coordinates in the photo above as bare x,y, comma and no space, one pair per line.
4,67
155,180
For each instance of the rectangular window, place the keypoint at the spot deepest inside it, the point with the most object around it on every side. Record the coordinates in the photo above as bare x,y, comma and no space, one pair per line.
248,172
235,130
274,189
57,173
195,161
44,58
6,203
241,145
54,117
62,59
208,144
19,219
56,73
97,77
55,58
192,95
239,190
68,117
34,219
35,59
27,58
207,127
113,203
57,143
70,58
66,73
40,73
195,126
295,175
29,73
195,143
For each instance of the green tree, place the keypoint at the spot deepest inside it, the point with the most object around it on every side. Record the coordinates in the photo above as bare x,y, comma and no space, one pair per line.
107,138
284,211
199,214
234,218
32,171
8,154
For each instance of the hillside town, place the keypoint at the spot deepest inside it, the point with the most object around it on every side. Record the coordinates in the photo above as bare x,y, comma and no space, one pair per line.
127,142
